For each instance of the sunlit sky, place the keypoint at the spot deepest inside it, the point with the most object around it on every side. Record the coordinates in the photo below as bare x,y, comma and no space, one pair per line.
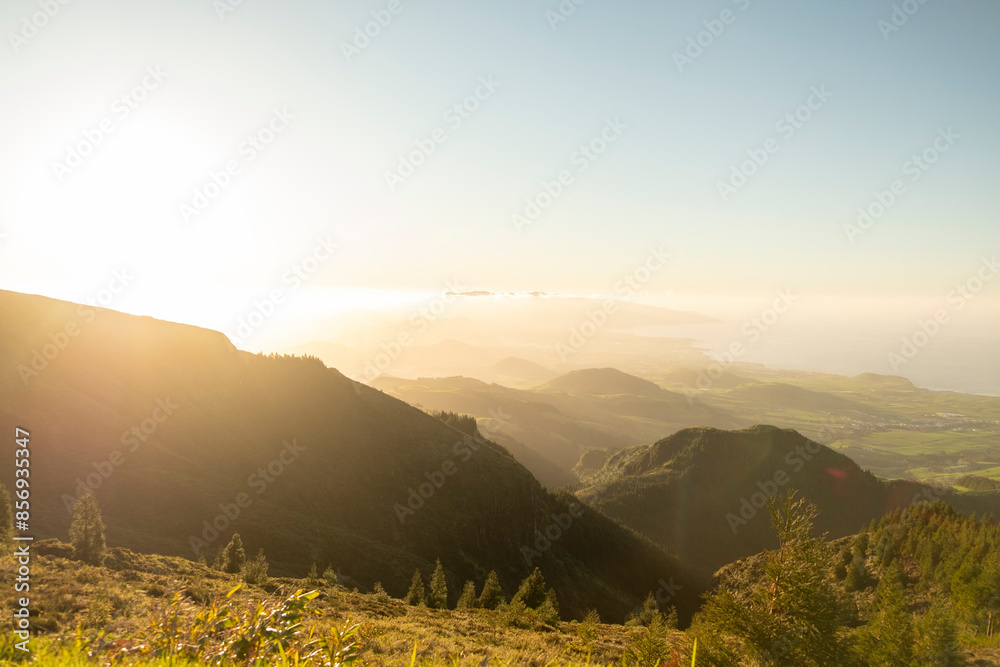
347,121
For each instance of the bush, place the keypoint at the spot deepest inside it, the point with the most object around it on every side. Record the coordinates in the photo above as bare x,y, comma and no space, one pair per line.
330,576
98,612
515,614
378,591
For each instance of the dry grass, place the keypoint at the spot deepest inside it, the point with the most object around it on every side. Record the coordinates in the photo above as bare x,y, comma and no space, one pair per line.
79,609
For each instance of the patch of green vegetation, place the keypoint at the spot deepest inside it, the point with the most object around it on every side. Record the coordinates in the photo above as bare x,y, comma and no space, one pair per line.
884,423
926,582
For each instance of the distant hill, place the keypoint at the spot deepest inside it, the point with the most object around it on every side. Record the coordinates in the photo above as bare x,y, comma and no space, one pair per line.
700,492
698,378
884,381
185,439
602,382
791,396
521,369
447,357
977,483
548,431
543,438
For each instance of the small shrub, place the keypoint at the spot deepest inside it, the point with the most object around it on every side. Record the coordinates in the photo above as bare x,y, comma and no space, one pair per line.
515,614
98,613
88,575
379,592
198,593
155,590
122,602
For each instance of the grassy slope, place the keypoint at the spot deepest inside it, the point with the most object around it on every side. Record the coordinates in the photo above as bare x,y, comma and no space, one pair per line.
122,598
83,615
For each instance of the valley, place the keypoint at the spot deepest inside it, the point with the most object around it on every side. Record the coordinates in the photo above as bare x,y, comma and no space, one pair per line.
615,487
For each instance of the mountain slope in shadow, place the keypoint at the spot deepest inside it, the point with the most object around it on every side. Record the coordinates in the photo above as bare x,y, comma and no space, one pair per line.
186,439
701,493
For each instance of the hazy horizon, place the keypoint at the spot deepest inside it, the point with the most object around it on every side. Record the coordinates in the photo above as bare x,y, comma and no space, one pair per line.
717,153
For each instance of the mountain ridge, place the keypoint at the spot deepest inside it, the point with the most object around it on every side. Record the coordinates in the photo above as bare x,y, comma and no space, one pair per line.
302,461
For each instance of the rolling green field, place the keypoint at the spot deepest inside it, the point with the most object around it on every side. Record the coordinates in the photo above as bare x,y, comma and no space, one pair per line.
884,423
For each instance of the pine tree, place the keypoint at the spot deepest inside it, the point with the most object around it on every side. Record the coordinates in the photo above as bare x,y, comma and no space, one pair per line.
857,577
671,619
843,561
650,646
86,531
792,614
416,595
644,616
548,611
468,598
587,629
888,638
255,571
6,522
438,598
233,557
938,644
532,590
313,574
491,596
